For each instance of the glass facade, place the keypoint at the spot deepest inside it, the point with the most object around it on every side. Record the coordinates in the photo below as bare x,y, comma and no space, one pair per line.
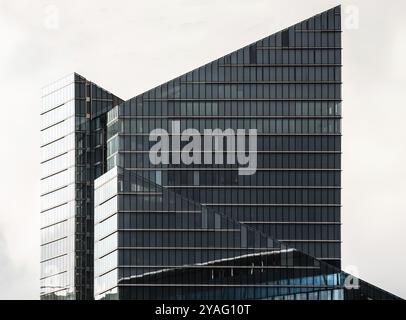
73,153
58,189
182,230
152,243
288,87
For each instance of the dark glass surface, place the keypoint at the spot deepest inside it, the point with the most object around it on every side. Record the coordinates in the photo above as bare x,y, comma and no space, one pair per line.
169,247
144,231
288,87
67,232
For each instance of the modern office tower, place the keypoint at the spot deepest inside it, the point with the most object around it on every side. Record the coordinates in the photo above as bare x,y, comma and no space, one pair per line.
152,243
73,154
210,228
288,87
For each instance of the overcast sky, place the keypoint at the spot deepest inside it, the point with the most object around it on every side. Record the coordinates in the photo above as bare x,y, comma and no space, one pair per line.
128,47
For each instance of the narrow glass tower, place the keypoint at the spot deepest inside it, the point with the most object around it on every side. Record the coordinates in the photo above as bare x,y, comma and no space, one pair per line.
73,154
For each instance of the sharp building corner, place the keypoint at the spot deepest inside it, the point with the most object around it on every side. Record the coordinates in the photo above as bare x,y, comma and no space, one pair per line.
117,225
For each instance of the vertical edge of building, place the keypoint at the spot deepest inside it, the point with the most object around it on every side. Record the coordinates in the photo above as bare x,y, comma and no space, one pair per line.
73,153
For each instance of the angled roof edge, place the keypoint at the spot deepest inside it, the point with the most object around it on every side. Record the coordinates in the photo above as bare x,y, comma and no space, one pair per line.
282,246
336,8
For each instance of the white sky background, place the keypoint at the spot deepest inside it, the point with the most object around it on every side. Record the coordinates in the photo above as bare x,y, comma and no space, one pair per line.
128,47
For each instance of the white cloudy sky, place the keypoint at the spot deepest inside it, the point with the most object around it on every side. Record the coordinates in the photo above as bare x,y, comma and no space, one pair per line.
130,46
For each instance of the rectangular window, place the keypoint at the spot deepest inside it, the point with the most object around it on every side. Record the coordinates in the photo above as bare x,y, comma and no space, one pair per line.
253,54
196,179
285,38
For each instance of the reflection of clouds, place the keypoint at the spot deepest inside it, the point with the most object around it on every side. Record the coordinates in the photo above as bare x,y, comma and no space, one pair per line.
56,282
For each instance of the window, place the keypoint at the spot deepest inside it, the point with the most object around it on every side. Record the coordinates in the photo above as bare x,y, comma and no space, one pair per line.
253,54
196,179
158,177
